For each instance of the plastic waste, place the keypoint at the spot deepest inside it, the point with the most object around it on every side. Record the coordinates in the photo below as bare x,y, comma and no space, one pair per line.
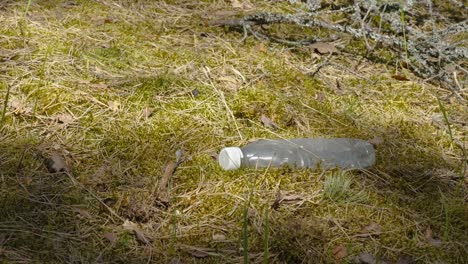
345,153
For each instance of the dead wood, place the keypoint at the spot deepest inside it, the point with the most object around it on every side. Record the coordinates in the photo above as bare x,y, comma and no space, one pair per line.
427,49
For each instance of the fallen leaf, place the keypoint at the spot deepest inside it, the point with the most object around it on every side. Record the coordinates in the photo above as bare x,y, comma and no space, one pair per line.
376,141
340,252
129,225
99,86
267,122
82,213
104,20
64,118
99,22
450,68
27,180
56,163
438,119
431,238
399,77
20,108
213,155
372,229
113,105
147,113
323,48
111,236
261,47
198,253
219,237
230,82
140,236
241,4
320,96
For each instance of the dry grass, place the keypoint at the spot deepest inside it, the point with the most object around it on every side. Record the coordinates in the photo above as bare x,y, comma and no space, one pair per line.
79,78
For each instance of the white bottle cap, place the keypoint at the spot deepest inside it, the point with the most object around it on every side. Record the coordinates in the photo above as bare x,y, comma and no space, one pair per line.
230,158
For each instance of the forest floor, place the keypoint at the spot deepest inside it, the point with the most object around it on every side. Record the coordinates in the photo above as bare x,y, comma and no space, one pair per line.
98,96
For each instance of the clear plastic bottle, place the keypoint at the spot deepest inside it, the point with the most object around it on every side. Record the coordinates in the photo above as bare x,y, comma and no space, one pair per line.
345,153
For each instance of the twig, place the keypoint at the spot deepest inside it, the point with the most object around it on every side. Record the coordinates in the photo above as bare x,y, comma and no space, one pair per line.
163,193
169,170
419,50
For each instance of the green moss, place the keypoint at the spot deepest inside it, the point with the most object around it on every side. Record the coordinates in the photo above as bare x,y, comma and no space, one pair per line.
148,56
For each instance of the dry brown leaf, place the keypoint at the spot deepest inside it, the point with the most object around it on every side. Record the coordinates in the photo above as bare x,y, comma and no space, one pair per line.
64,118
99,86
376,141
450,68
56,163
111,236
432,238
267,122
399,77
231,83
114,106
372,229
340,252
82,213
213,155
147,113
261,47
323,48
219,237
320,96
104,20
140,236
20,108
129,225
241,4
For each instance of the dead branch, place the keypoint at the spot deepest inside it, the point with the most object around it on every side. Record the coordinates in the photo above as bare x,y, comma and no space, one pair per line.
426,53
